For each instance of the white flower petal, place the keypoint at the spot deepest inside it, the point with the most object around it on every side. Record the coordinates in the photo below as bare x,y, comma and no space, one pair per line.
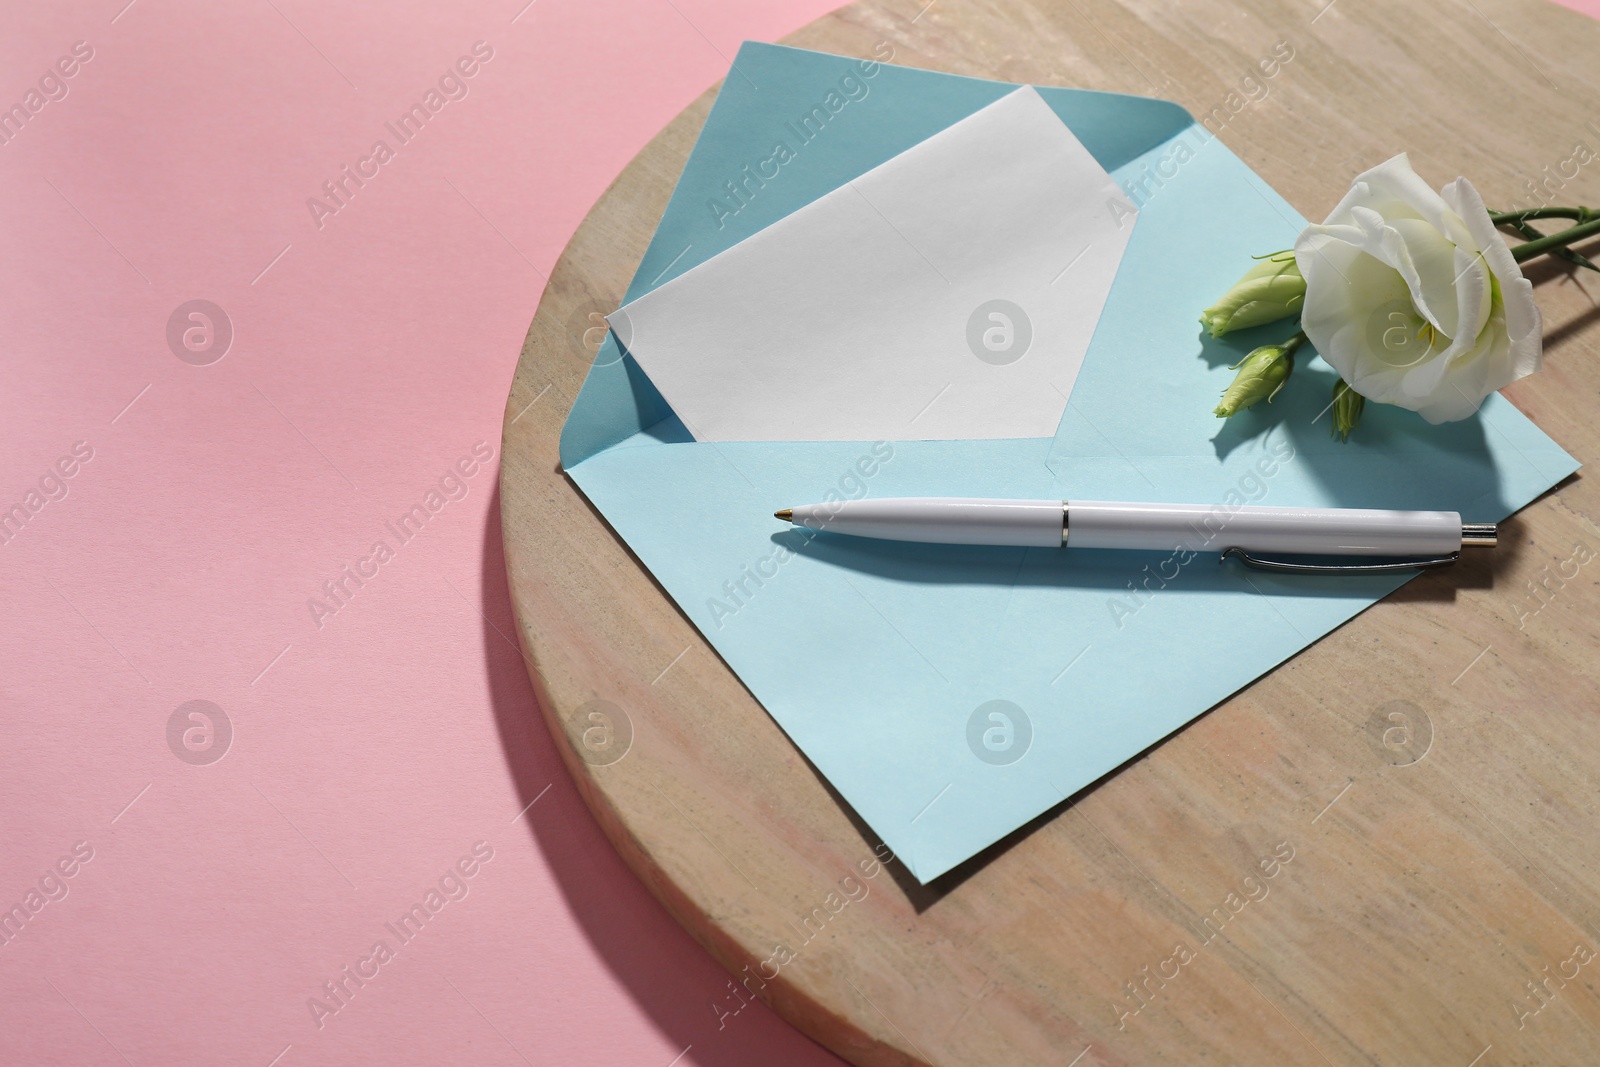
1524,325
1394,190
1351,298
1449,405
1428,263
1470,380
1468,206
1414,298
1422,380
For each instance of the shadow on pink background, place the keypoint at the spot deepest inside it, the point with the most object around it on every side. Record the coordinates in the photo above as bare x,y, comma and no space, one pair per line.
379,741
373,746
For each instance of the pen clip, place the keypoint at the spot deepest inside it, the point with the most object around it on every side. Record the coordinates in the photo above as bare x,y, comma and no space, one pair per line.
1288,567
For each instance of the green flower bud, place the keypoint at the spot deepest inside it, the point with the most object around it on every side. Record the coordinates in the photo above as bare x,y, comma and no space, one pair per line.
1271,290
1261,374
1347,405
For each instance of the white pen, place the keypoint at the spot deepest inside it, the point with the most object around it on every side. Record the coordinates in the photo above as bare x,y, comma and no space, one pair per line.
1435,536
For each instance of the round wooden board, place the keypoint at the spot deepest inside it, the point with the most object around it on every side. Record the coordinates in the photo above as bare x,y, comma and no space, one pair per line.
1430,769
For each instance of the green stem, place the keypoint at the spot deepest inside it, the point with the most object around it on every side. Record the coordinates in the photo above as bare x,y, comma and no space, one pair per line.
1557,241
1566,255
1578,214
1294,342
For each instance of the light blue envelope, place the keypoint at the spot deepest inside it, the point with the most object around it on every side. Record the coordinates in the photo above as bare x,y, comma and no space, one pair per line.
951,694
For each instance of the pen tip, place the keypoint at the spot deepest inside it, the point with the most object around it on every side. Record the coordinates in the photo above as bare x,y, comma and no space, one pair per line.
787,514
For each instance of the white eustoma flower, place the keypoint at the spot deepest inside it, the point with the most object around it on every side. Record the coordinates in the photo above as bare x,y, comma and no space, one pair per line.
1414,299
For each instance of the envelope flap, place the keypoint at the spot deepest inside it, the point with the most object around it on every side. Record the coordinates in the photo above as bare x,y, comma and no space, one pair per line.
867,113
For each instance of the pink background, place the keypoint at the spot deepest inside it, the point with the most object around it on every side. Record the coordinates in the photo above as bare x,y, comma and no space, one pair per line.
370,753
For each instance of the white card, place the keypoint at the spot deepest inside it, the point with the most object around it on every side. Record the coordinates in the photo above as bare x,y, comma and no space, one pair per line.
949,293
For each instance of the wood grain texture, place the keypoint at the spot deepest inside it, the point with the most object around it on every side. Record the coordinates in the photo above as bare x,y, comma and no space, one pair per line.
1434,765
